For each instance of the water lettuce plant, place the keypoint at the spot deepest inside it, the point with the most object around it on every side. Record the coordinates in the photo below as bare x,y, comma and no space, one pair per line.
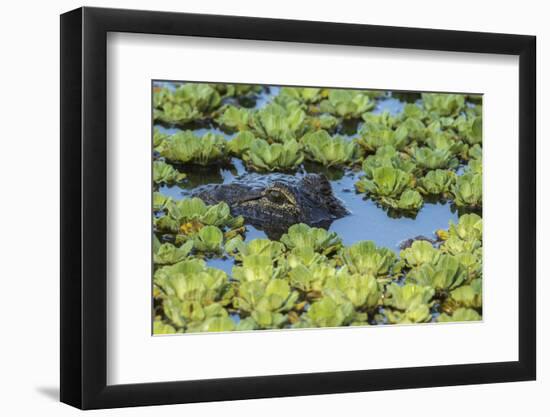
187,103
436,182
428,158
445,274
443,104
164,173
387,156
257,268
373,137
276,123
390,187
320,240
302,94
275,157
461,314
468,190
347,103
189,215
237,248
241,143
362,290
405,297
328,150
328,312
185,147
365,257
419,253
235,118
168,254
386,182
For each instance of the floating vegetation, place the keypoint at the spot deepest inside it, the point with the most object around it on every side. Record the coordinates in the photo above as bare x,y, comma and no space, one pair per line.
258,251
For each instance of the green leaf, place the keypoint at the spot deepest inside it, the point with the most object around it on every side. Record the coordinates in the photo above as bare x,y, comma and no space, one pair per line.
329,151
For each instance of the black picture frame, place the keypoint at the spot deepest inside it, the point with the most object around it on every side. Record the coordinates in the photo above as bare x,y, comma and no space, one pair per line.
84,207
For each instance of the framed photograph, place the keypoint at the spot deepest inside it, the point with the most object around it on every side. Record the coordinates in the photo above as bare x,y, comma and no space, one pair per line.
257,208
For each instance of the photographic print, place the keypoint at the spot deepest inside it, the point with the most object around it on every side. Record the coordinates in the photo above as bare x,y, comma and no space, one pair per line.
284,207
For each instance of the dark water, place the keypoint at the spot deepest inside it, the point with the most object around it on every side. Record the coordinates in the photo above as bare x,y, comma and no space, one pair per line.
367,221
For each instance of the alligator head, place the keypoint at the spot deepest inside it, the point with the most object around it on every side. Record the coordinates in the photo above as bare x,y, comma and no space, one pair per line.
274,202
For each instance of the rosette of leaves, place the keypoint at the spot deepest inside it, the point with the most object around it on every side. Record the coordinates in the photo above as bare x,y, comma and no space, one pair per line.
277,123
304,256
310,279
421,252
191,292
430,159
445,141
387,156
469,128
188,215
237,90
235,118
469,227
328,150
241,143
159,138
365,257
415,314
219,214
362,290
169,254
413,111
380,120
373,137
468,190
443,104
386,181
444,275
164,173
160,96
324,121
258,268
346,103
213,323
187,103
192,280
208,239
416,129
237,248
468,295
192,316
408,296
389,186
160,327
328,312
321,240
160,201
302,94
436,182
475,152
474,167
275,157
410,200
186,148
460,314
266,301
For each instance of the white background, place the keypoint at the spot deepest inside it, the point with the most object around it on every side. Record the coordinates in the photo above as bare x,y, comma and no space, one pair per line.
130,69
29,349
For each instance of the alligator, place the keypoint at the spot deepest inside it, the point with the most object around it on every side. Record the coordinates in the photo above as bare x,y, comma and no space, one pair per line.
274,202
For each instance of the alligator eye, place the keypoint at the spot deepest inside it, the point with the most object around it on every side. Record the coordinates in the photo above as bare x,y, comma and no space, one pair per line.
277,196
